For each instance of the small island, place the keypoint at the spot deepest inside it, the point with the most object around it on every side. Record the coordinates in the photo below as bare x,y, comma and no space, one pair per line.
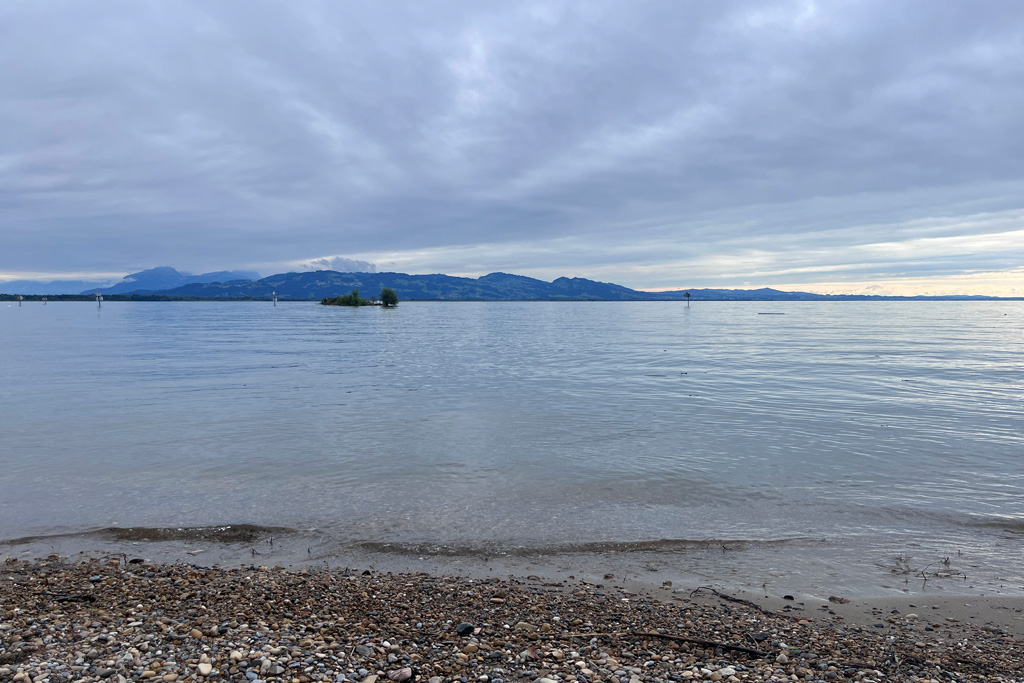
388,298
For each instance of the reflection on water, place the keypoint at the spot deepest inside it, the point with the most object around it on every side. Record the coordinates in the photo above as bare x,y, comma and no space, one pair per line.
524,425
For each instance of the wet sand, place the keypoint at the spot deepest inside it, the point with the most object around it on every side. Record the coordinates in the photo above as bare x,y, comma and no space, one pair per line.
817,571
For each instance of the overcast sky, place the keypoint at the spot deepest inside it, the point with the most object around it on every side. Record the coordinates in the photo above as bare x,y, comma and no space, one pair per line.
862,146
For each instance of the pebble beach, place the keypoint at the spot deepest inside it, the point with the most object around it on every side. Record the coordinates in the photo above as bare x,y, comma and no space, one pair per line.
118,619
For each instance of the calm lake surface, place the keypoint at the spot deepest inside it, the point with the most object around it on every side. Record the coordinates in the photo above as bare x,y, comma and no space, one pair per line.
815,447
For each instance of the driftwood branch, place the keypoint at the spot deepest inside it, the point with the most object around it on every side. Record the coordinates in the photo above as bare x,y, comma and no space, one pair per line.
748,603
64,597
698,641
666,636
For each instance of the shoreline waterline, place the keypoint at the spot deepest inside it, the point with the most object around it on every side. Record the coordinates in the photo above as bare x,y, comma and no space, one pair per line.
816,568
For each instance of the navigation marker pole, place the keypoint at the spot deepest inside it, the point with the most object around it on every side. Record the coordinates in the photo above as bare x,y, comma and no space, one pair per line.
19,299
99,299
44,300
275,297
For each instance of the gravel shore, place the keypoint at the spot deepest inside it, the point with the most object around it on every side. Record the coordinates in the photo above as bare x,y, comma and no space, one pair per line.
123,620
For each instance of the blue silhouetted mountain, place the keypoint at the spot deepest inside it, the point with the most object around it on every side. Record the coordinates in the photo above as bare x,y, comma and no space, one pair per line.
168,282
165,277
494,287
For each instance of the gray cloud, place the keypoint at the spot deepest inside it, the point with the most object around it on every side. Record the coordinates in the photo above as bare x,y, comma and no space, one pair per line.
655,144
338,263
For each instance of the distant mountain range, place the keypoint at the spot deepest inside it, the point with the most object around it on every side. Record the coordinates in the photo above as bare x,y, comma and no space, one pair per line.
165,277
154,279
167,282
329,283
493,287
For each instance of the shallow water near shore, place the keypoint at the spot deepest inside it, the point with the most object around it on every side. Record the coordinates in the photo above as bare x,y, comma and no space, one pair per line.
841,447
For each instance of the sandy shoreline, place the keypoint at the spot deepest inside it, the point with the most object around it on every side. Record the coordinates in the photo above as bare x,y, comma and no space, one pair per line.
111,619
818,570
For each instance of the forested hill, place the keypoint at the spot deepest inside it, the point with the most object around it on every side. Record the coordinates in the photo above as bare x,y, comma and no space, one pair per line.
493,287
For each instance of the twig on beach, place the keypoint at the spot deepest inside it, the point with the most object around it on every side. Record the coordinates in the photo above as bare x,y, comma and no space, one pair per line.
668,636
748,603
855,665
698,641
63,597
941,573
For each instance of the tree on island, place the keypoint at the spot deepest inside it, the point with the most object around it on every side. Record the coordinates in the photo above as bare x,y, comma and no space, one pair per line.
388,297
352,299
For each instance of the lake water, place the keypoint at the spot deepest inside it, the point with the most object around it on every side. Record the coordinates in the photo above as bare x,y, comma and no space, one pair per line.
815,447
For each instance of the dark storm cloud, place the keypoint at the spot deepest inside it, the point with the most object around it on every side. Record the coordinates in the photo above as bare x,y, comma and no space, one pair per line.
658,143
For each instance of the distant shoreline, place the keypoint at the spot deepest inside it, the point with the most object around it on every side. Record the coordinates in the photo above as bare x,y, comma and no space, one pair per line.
830,299
154,285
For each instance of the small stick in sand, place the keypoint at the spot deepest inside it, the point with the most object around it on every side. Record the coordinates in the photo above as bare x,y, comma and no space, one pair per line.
698,641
